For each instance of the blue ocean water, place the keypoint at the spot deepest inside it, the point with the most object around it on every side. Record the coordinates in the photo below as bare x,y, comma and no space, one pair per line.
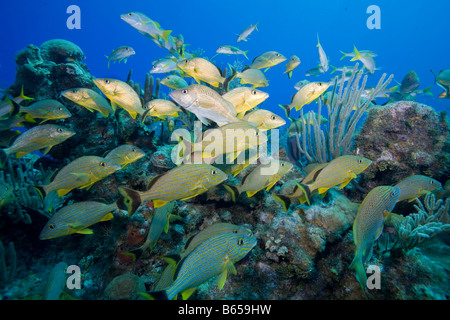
410,38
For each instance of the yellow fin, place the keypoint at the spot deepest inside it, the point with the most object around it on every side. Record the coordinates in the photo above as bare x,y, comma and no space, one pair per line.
20,154
187,293
62,192
343,184
107,217
270,185
221,279
85,231
322,190
251,193
159,203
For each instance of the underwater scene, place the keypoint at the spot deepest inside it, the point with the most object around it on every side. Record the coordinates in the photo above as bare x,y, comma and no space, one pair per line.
224,150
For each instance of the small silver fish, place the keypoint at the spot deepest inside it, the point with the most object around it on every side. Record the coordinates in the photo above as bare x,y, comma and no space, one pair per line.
120,54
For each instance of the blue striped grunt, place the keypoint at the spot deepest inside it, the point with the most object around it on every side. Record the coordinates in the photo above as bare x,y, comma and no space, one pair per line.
339,171
39,137
214,257
47,110
121,94
369,224
124,155
193,242
89,99
179,183
76,218
262,176
81,173
415,186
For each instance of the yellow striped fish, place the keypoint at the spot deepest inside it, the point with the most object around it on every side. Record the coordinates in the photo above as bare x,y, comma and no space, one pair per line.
179,183
307,94
47,110
252,76
416,186
214,257
76,218
39,137
122,95
81,173
160,108
339,171
265,119
193,242
245,99
124,155
369,224
206,104
202,70
262,176
89,99
292,63
230,140
267,60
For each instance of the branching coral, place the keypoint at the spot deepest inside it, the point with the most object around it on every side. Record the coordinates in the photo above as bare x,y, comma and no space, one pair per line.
336,139
431,218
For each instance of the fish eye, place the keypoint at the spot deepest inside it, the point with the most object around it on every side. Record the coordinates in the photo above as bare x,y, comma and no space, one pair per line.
282,164
107,81
74,91
185,91
52,226
59,130
102,164
133,150
393,194
257,133
213,172
360,161
130,14
186,61
253,91
431,181
273,117
320,83
240,242
235,231
60,108
278,54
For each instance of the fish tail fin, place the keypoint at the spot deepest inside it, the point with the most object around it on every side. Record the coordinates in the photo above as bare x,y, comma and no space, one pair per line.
360,275
344,55
357,54
286,109
318,42
234,192
165,35
23,96
15,108
245,54
41,191
306,192
334,68
231,77
256,28
130,200
289,74
285,201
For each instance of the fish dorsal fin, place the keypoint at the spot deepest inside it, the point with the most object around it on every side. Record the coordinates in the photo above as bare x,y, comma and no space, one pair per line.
188,242
153,181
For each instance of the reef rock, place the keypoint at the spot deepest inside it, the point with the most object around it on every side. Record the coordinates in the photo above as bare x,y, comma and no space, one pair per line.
402,139
126,286
45,71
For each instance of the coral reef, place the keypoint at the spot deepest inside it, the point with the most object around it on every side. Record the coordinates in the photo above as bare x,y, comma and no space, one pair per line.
125,287
402,139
